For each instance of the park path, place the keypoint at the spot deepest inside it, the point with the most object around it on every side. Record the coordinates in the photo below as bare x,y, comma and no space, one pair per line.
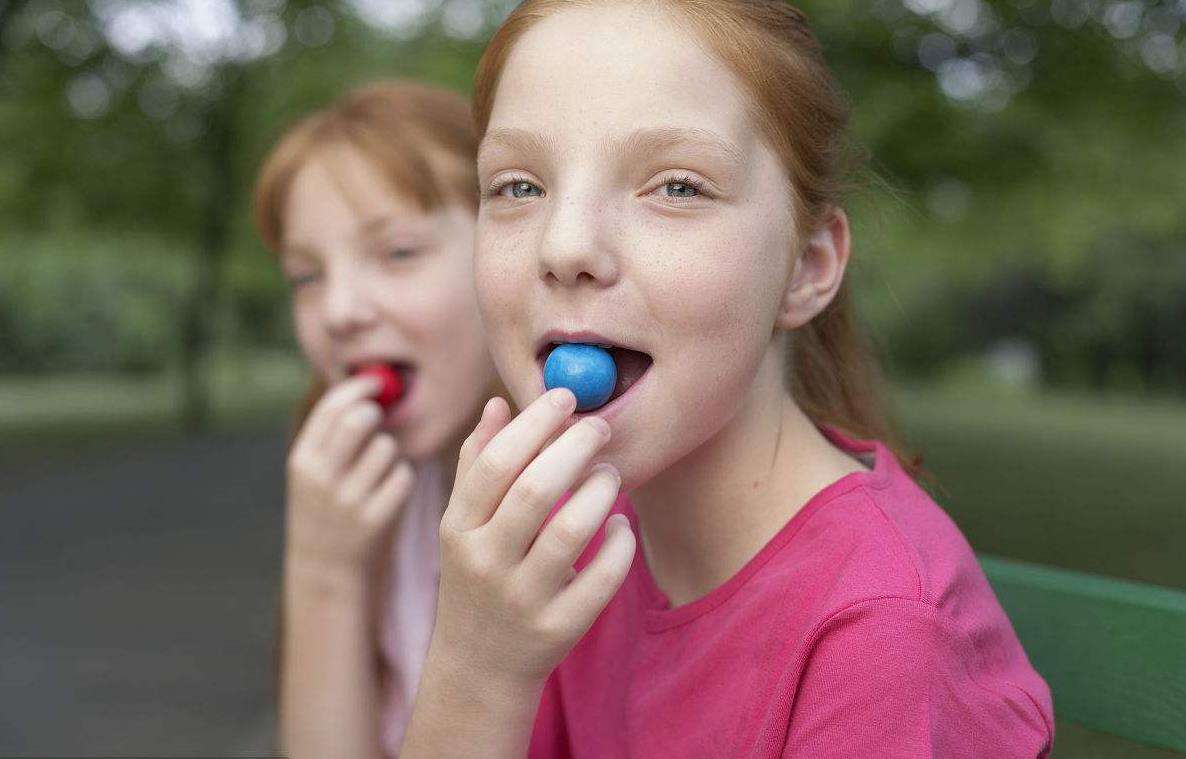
138,589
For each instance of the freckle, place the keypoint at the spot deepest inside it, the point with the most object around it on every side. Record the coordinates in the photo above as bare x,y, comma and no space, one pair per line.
756,484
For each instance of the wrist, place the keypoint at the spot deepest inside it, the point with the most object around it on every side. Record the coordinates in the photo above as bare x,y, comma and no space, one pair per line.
456,676
310,577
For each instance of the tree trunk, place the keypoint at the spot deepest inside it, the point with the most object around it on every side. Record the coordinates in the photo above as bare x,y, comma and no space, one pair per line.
201,307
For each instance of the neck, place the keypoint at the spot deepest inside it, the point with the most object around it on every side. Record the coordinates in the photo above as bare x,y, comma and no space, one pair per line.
702,519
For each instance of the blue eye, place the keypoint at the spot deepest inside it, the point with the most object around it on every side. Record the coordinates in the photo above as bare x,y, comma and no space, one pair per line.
525,189
683,187
519,189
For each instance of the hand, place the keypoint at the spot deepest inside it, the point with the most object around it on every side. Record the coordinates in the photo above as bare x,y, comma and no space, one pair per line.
346,482
510,604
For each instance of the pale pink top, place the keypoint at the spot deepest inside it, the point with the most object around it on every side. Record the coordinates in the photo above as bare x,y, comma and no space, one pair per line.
409,608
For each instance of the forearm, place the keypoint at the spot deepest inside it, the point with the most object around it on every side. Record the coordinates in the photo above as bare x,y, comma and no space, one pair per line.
330,694
460,713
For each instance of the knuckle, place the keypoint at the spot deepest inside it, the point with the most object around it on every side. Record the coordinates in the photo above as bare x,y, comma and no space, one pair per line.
519,603
360,418
490,467
298,460
480,566
347,495
529,490
567,537
550,631
449,538
384,447
311,473
602,585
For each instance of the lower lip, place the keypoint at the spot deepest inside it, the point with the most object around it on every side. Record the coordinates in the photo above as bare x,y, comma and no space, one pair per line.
611,410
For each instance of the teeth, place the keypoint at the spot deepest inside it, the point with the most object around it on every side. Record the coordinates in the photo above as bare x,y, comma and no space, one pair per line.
606,346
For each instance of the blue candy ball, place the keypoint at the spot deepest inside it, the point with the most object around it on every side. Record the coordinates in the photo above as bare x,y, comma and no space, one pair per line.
587,370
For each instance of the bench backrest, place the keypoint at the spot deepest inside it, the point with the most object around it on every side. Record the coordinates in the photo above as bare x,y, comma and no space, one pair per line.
1113,652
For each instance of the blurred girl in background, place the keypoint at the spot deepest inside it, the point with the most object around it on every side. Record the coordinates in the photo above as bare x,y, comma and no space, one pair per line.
369,206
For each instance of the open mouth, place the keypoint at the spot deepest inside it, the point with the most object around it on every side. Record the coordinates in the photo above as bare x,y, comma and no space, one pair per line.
404,369
630,365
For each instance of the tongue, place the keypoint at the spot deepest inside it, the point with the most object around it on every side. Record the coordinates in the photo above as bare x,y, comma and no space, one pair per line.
631,365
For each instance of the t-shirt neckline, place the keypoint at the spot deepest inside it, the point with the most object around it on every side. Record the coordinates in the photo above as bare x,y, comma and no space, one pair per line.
659,615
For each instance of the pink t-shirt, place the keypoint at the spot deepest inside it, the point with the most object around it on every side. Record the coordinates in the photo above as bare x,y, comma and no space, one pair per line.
863,628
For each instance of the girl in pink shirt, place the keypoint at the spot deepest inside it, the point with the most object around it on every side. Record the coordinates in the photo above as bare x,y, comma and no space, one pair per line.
370,206
663,178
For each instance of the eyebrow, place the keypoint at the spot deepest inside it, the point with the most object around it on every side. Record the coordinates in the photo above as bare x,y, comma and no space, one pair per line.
641,140
370,228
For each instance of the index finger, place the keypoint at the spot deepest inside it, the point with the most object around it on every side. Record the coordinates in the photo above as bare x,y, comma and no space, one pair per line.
482,487
336,400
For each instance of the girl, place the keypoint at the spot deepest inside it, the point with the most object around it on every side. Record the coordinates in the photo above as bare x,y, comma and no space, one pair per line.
662,177
370,207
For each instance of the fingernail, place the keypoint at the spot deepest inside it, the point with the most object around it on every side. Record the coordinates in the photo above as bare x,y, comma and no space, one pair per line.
489,406
609,469
563,399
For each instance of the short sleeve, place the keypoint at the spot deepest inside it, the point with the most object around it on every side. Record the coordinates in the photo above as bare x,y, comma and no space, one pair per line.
887,678
549,736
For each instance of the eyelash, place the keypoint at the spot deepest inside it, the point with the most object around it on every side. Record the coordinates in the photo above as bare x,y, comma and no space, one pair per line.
497,187
400,253
297,282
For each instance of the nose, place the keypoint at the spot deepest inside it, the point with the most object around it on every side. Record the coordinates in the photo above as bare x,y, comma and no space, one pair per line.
576,248
349,305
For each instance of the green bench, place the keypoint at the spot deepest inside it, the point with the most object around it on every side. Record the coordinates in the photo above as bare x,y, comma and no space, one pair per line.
1113,652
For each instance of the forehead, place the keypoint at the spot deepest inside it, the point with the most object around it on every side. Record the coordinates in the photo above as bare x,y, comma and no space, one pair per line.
587,72
341,175
338,188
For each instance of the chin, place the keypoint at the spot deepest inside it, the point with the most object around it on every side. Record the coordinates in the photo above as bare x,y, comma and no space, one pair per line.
417,443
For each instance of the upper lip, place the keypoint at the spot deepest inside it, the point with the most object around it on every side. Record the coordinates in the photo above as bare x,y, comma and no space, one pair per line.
354,364
579,336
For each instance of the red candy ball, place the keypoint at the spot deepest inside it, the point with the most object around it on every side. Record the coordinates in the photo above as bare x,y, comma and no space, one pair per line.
393,383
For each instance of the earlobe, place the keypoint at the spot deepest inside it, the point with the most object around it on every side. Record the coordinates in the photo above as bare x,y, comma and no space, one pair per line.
817,273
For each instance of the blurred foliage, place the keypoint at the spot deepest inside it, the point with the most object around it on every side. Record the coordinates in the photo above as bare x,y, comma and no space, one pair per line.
95,304
1118,322
1029,166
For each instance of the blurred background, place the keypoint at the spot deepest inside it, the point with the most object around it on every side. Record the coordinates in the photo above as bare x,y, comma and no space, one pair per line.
1020,263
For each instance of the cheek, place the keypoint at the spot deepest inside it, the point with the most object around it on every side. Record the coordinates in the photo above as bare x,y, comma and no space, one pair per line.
725,291
310,337
500,293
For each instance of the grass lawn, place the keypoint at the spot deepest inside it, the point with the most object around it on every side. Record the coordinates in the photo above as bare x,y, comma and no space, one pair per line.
1079,482
41,414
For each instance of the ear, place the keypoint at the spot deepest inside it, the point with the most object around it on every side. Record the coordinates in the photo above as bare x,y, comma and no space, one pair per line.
818,271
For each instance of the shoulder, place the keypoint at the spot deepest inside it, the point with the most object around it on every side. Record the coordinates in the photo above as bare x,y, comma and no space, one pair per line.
907,601
883,535
896,672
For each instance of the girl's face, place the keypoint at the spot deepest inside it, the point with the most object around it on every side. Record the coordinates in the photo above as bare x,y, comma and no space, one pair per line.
377,280
629,199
